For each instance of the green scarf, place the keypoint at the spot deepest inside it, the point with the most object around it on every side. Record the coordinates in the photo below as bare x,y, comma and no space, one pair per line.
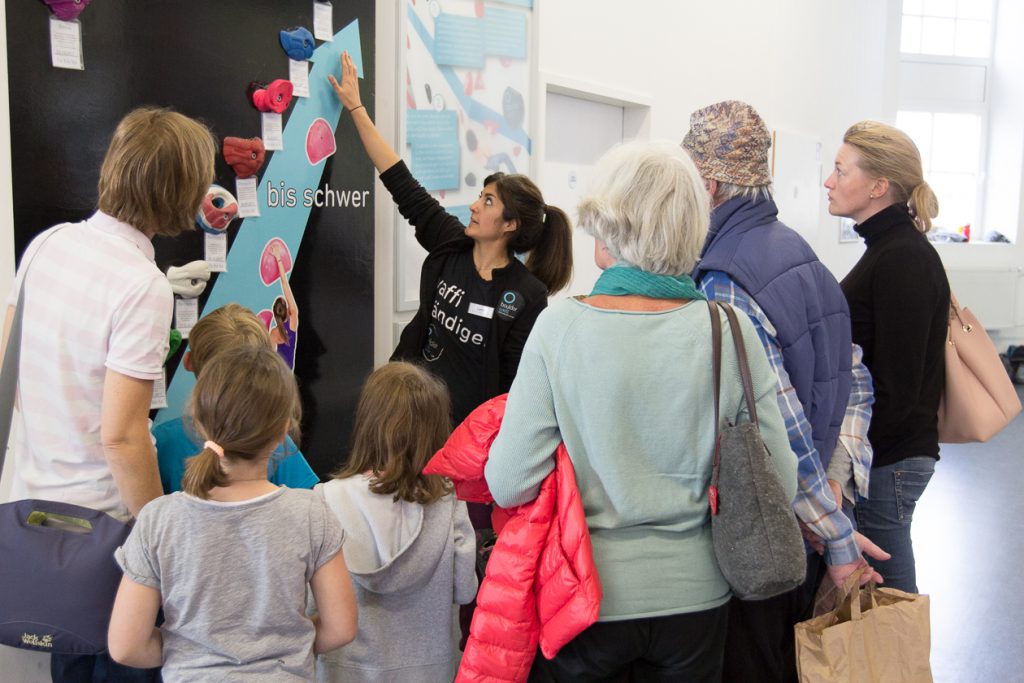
622,279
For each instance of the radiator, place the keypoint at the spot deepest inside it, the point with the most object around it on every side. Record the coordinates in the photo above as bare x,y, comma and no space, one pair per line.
990,293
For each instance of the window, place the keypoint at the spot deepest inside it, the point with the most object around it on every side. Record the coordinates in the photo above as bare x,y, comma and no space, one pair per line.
950,146
945,70
958,28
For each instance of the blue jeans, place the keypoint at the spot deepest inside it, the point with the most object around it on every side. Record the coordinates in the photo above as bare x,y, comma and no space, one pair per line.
886,515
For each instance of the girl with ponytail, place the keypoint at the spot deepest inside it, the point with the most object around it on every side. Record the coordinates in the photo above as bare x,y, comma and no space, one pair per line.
231,556
899,308
478,302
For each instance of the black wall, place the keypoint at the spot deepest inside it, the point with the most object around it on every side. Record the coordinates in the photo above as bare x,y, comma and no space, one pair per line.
198,56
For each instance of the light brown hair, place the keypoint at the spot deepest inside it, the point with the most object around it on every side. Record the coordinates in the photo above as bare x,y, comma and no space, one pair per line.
402,420
228,326
245,401
544,231
157,169
887,152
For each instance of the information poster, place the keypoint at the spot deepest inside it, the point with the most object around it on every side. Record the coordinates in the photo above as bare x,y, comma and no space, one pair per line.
467,107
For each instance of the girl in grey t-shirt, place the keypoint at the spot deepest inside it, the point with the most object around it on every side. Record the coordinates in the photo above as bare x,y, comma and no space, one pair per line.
230,557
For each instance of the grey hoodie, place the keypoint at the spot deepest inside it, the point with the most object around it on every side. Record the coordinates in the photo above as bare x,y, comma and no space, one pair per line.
411,565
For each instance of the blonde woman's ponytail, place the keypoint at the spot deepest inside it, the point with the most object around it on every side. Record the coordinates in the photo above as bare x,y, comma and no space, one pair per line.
924,206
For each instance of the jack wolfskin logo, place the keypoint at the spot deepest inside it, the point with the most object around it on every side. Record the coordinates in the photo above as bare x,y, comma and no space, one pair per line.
33,640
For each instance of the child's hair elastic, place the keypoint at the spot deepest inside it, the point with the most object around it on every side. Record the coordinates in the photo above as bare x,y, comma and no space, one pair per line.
215,447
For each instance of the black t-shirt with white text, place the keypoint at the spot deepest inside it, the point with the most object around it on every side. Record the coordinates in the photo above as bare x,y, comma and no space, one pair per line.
460,324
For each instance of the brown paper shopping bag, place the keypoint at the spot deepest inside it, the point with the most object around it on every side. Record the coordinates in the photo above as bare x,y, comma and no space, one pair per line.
874,634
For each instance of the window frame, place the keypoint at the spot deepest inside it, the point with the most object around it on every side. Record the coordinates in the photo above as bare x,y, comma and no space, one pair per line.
944,103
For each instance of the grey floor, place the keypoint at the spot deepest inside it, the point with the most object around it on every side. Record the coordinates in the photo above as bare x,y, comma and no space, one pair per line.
969,547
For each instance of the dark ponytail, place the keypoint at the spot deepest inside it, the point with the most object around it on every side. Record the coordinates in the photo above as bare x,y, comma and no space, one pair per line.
551,260
544,231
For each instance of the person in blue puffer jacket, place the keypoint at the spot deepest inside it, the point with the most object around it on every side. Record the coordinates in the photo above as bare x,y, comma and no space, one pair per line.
761,266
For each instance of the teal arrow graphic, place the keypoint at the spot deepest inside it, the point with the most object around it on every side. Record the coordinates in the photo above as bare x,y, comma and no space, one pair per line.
242,283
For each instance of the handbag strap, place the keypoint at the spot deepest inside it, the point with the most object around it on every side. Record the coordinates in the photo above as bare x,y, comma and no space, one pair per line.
716,350
12,358
9,376
745,378
741,357
954,313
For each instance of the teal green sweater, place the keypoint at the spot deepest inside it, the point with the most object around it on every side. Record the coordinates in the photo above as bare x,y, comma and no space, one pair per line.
630,394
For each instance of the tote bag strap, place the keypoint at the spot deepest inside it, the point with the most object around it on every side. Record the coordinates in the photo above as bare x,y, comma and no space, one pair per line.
716,350
745,377
12,358
741,358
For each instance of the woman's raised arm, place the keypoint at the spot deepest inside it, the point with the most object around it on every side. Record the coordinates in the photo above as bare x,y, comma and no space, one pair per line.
377,148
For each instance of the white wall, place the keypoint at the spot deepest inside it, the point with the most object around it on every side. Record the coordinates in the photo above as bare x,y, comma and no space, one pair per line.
808,67
385,214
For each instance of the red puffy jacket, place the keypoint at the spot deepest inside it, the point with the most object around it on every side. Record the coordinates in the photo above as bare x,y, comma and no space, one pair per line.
541,584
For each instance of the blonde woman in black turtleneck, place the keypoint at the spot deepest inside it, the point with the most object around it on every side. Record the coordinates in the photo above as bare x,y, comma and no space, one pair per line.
899,307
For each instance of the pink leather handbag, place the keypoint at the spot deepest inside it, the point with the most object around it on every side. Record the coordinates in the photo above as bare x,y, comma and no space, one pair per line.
979,398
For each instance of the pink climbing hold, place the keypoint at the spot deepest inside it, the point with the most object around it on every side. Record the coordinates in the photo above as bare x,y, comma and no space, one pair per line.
319,142
266,316
268,264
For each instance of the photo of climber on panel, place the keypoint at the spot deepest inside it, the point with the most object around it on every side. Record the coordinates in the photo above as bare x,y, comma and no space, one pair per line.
283,318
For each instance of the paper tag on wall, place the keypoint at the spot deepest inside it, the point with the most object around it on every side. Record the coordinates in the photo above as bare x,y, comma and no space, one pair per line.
216,252
298,74
159,399
186,313
248,202
66,44
272,131
323,21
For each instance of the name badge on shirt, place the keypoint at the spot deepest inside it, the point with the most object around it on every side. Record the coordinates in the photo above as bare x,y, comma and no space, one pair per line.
482,311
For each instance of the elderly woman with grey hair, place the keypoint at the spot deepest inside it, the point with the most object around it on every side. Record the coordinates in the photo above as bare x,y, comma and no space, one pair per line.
624,378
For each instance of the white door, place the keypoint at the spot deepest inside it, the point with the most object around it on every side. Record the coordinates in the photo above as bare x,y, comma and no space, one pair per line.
577,132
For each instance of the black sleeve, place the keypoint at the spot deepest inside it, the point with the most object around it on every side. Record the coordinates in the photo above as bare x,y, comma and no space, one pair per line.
515,340
434,226
904,298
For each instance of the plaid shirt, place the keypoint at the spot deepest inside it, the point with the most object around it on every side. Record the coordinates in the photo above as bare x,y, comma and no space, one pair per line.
814,504
853,435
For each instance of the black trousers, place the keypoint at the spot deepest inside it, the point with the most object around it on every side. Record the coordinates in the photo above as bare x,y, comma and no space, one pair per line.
760,645
681,647
97,669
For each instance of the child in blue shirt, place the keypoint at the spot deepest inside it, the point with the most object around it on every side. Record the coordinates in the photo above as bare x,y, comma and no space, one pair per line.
227,327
